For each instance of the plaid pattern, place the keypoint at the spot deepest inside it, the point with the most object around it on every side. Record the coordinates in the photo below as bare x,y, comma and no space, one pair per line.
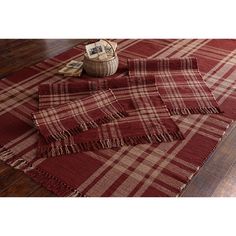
71,118
148,121
179,82
143,170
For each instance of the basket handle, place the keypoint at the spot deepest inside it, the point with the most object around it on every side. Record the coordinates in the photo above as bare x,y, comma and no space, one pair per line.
111,47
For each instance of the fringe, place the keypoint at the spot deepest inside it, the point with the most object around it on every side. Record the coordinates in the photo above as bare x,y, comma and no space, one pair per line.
19,164
5,153
37,174
195,110
52,183
85,126
108,143
76,193
12,159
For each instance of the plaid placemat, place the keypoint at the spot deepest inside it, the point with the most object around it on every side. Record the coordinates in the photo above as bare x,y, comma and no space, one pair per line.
148,121
179,83
71,118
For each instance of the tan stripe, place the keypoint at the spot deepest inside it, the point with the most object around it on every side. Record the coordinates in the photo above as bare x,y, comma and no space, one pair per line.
106,165
193,46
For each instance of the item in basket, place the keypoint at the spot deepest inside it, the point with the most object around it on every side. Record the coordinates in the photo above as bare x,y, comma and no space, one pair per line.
108,45
102,57
94,50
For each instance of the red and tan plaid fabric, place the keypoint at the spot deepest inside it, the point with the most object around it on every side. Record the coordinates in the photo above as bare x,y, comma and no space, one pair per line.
143,170
148,121
179,83
71,118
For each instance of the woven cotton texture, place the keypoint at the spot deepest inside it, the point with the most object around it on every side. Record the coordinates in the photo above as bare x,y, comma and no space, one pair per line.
146,170
179,83
148,121
73,117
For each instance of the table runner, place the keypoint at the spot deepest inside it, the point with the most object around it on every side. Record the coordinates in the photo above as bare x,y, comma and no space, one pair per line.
144,170
179,82
71,118
148,122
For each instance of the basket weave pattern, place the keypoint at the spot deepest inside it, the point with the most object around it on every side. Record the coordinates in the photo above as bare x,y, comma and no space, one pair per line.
101,68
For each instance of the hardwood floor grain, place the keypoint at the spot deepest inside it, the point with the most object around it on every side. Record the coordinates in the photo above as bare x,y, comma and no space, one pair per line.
41,192
21,187
216,178
16,54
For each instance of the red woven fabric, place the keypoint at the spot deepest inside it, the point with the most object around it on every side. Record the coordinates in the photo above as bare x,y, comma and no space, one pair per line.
143,170
179,83
71,118
148,121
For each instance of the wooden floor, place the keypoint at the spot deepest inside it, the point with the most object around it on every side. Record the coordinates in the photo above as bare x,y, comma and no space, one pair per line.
216,178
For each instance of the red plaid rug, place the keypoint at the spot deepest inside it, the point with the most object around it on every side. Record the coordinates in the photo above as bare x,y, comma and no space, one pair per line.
142,170
179,83
148,122
71,118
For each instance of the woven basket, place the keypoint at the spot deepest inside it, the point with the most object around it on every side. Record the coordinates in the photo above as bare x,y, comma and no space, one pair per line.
101,68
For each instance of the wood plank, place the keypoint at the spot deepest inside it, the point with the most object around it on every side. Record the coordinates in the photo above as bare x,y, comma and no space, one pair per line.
22,187
41,192
212,174
3,167
16,54
8,177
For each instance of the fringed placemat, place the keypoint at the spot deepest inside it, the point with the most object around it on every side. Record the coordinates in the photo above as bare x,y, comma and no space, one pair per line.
179,83
71,118
146,125
148,122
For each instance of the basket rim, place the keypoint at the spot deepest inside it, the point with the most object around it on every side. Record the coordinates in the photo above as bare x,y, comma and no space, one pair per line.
101,61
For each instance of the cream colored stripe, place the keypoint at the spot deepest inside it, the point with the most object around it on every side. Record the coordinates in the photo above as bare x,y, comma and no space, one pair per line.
174,47
212,80
98,172
193,46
